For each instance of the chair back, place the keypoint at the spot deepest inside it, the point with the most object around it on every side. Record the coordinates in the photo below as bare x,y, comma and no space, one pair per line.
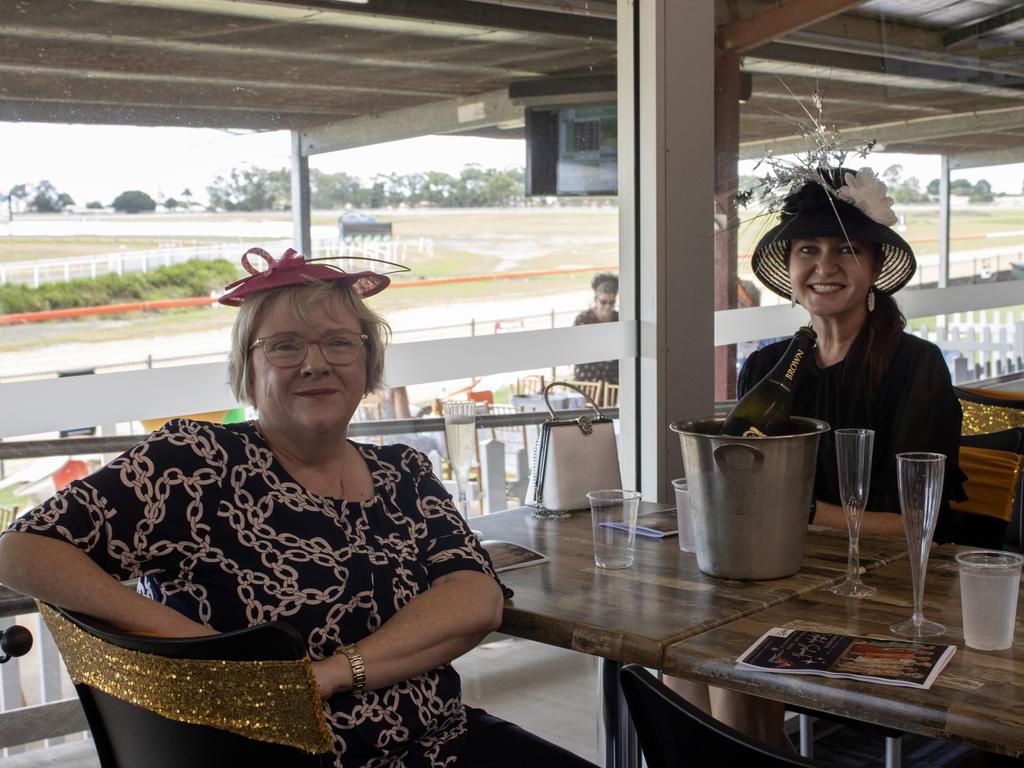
994,465
593,389
673,732
989,411
610,398
481,396
240,698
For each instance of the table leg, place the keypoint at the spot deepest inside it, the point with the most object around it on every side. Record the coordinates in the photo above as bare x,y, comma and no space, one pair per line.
621,746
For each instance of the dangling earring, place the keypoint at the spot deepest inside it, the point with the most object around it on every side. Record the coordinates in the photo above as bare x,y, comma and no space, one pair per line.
871,299
792,300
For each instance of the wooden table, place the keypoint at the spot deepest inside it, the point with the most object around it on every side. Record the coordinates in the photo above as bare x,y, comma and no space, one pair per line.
634,615
977,700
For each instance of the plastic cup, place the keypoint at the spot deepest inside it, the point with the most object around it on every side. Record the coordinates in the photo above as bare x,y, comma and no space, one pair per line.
989,582
613,518
684,520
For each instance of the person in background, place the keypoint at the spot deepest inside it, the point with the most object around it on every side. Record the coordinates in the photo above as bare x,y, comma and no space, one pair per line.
283,518
606,292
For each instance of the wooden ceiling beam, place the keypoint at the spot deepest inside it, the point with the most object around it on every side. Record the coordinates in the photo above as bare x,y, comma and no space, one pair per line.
461,115
775,22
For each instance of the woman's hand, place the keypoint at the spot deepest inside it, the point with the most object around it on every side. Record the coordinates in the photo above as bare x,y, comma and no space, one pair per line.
333,675
436,626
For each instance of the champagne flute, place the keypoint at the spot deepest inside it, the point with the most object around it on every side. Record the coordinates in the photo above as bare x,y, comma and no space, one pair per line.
920,478
853,455
460,432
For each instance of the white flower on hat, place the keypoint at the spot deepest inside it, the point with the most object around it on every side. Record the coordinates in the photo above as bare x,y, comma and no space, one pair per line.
866,191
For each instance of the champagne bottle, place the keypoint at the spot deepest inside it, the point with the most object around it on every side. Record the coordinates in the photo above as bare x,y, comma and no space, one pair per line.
765,409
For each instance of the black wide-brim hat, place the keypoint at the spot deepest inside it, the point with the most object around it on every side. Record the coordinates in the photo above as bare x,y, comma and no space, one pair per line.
813,212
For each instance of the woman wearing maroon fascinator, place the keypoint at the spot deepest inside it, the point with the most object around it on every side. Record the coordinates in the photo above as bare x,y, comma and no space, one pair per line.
358,547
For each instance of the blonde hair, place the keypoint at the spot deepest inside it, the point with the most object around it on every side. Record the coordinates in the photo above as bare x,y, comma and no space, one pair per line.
300,299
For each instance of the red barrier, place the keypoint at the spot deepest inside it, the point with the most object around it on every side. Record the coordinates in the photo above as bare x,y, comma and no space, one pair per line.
114,309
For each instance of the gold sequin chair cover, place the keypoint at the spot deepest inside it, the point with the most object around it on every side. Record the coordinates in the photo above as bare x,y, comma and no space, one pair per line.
240,698
988,412
985,411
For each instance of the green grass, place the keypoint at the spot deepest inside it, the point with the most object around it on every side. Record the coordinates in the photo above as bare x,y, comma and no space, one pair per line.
922,228
464,243
36,248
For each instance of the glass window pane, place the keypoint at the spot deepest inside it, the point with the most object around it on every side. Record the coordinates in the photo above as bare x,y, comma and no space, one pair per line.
925,90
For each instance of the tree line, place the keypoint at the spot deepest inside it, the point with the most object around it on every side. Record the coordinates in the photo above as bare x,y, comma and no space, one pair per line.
252,188
259,189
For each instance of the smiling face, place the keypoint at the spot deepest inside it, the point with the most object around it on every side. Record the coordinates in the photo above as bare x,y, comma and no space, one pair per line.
604,306
314,397
831,276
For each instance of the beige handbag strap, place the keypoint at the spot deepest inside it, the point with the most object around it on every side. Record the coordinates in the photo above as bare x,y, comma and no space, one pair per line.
574,388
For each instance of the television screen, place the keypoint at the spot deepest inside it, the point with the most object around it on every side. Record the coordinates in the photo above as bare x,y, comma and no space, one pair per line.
572,150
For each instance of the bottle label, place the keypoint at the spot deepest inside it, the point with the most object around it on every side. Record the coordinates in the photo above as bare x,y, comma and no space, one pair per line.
794,364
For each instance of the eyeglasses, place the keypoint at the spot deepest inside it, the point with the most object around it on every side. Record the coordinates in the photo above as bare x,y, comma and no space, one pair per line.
286,350
605,302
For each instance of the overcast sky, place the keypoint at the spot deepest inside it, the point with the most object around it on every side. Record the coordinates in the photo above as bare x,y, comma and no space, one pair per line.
99,162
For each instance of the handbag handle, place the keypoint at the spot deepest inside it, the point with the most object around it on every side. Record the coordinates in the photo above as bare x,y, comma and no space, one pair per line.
573,387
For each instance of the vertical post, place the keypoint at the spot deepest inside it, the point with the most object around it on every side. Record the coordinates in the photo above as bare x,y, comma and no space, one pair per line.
944,222
300,198
675,268
492,476
727,144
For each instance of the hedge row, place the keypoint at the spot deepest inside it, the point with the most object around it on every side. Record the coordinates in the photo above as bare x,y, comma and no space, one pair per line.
179,281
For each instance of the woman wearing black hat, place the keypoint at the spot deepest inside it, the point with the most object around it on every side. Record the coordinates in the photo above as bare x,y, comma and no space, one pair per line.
835,254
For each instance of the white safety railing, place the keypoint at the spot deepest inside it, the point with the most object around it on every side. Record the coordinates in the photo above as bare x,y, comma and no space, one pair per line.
37,272
979,344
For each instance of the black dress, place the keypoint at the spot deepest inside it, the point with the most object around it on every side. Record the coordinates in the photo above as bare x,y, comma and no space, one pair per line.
213,526
915,409
602,370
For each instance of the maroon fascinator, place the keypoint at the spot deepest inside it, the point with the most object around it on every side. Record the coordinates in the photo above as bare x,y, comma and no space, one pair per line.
293,269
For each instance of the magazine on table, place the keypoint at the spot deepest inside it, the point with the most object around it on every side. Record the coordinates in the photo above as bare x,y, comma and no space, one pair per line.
807,652
507,556
658,524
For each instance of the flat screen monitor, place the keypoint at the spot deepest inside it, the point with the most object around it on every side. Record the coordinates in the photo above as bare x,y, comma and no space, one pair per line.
572,150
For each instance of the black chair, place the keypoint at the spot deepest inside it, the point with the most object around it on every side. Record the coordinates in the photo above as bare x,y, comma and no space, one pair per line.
987,410
993,483
673,732
129,735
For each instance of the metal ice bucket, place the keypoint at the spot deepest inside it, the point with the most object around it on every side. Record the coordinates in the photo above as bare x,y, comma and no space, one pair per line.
749,496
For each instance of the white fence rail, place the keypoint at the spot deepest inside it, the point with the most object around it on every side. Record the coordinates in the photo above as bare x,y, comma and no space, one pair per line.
35,273
979,344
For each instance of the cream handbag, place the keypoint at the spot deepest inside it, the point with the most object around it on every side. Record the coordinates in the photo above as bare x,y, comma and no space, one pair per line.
572,457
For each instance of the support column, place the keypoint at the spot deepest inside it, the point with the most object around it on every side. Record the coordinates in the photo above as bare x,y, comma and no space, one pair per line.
727,147
944,221
301,238
676,177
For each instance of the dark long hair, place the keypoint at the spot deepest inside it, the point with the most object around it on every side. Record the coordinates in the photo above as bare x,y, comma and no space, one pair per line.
875,346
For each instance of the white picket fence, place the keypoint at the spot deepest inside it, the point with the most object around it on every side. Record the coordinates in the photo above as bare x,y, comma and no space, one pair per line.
35,273
979,344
